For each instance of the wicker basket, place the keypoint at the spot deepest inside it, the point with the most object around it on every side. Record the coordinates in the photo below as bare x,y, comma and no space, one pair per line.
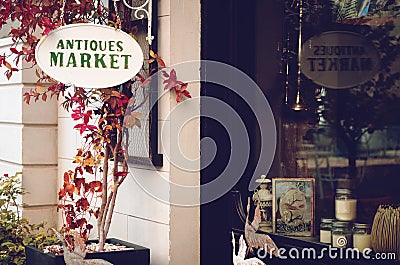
385,233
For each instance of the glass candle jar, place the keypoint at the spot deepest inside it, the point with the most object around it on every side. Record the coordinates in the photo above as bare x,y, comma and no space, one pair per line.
345,205
325,235
341,234
361,236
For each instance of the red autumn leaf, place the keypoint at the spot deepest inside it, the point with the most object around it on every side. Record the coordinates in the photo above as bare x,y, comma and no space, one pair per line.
160,62
83,127
46,31
79,182
27,98
81,222
47,25
87,188
91,127
179,97
82,204
141,77
80,151
184,87
13,50
121,174
165,74
80,170
172,81
8,74
69,188
155,56
68,220
78,100
77,113
61,194
7,64
87,116
39,88
73,225
66,177
186,94
70,209
118,112
95,186
89,169
113,103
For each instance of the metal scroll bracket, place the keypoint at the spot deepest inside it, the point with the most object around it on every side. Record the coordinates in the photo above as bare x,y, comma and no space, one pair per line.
141,11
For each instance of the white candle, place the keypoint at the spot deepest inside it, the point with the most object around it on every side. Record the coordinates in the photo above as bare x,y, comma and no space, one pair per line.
345,210
362,241
325,236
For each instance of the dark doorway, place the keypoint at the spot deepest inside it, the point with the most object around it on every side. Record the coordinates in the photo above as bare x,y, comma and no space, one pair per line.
229,35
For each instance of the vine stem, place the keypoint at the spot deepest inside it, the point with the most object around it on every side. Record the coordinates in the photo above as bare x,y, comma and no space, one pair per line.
100,223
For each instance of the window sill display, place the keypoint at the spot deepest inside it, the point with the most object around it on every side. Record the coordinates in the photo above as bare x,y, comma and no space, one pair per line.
101,114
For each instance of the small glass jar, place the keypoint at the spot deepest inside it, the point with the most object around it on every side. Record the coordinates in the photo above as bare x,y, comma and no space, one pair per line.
345,205
341,234
325,235
361,236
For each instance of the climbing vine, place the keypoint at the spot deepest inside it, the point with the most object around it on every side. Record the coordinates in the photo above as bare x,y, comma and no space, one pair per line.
90,187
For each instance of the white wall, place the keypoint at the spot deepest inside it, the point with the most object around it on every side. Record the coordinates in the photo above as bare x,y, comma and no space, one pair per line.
172,233
29,142
41,143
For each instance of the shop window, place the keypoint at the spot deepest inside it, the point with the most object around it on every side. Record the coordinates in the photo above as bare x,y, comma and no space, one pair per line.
142,141
344,137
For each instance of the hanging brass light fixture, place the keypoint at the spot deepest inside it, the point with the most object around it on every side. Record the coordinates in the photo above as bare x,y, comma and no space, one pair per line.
298,105
286,60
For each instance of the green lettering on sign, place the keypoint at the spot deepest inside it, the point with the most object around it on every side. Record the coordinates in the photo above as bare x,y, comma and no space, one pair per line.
126,60
60,44
70,44
119,45
85,59
71,60
113,61
54,58
99,59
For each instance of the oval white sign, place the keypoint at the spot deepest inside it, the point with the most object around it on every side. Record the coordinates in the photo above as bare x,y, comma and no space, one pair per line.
89,55
339,59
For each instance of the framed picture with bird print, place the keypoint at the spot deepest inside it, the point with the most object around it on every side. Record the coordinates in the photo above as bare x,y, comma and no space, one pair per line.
293,206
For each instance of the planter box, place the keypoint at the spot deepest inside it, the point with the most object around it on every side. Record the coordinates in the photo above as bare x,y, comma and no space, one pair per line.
138,256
